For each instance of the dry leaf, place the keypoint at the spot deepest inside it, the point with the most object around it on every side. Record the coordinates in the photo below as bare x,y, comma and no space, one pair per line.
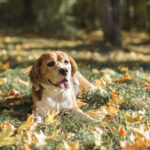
98,136
26,70
122,131
138,145
81,104
3,81
18,80
123,78
134,117
72,146
97,114
111,110
1,94
95,71
107,78
12,94
54,134
6,135
28,125
100,83
50,118
124,69
4,66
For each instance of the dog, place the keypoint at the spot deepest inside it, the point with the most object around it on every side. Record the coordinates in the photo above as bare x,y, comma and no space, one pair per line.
56,82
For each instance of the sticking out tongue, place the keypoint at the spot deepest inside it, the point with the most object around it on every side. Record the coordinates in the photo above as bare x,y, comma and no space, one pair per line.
63,84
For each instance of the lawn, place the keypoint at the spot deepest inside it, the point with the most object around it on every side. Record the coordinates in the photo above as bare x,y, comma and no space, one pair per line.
123,111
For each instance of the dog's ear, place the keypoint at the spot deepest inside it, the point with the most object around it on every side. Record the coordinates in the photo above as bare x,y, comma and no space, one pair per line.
73,66
35,74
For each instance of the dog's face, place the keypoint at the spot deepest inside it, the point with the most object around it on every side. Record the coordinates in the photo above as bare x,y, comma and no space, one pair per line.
54,69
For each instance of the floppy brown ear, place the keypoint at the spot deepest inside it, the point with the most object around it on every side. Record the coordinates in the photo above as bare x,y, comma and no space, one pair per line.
73,66
35,74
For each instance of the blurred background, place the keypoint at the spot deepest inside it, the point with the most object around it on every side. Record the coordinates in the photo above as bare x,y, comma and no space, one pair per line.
68,18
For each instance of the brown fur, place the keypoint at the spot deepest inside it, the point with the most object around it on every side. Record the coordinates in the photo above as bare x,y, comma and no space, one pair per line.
40,72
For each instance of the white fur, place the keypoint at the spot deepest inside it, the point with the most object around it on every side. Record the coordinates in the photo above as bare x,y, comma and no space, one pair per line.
56,99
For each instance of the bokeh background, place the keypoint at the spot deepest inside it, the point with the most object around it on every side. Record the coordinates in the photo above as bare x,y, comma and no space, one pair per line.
110,42
67,18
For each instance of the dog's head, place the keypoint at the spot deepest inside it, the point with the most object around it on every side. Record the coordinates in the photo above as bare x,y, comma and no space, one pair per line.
54,69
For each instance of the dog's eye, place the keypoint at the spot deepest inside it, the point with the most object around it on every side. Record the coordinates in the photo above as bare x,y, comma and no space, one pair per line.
66,61
50,64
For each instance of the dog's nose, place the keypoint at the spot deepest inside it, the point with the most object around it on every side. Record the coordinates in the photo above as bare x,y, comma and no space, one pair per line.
63,71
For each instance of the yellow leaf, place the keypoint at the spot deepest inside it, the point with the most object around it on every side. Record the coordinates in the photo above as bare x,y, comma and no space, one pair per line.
116,101
50,118
138,145
26,70
3,81
111,110
4,66
98,136
95,71
6,135
134,117
107,78
100,83
30,123
123,69
25,147
81,104
97,114
72,146
12,94
121,131
18,80
54,134
123,78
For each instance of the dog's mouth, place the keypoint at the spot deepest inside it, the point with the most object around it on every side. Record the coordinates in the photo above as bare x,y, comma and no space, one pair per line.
63,84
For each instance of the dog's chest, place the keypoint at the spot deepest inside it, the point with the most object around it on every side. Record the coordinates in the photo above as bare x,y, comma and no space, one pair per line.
51,101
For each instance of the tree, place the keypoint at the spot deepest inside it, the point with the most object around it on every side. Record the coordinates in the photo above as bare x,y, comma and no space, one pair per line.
110,20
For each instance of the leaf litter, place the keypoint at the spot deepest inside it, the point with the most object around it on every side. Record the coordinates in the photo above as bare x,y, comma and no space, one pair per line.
123,111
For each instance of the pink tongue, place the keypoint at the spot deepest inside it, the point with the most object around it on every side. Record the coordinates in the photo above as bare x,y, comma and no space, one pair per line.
63,85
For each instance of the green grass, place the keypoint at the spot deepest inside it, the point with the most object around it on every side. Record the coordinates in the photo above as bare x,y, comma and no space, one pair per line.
136,98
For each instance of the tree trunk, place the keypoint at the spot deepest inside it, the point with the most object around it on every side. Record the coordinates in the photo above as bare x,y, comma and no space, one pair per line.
148,10
110,20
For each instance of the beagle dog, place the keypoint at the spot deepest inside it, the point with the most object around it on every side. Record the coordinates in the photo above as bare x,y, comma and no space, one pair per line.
56,82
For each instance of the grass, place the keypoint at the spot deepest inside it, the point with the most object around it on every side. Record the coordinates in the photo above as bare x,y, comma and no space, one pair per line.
21,53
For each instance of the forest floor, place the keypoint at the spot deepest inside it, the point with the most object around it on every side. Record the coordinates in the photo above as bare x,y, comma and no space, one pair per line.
123,111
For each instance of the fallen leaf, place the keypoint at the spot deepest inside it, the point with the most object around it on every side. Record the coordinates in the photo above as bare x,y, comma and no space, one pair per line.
6,135
3,81
124,69
26,70
95,71
4,66
69,135
12,94
30,124
123,78
54,134
110,110
1,94
18,80
134,117
100,83
97,114
138,145
98,136
121,131
81,104
107,78
72,146
50,118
